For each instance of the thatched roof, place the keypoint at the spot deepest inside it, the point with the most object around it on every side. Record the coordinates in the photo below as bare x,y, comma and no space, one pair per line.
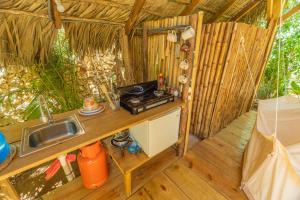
27,30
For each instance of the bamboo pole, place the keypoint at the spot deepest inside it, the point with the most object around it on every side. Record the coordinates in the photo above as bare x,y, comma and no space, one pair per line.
220,68
145,53
216,35
249,32
201,86
194,65
126,53
212,77
200,78
255,61
207,65
215,124
185,93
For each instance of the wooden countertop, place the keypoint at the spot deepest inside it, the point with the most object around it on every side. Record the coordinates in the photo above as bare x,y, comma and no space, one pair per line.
97,127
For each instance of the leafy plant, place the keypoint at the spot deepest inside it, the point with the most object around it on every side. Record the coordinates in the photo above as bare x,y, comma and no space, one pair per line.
295,88
287,55
57,82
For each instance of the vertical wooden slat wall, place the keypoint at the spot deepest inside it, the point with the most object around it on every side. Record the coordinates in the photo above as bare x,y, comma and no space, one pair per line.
232,59
136,44
161,52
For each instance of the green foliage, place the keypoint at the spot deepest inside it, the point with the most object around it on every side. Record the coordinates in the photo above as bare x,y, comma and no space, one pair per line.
295,88
57,82
288,59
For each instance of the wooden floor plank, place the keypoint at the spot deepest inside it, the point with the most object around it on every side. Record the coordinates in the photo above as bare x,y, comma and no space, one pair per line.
233,140
159,188
225,149
192,185
113,190
215,177
153,167
230,168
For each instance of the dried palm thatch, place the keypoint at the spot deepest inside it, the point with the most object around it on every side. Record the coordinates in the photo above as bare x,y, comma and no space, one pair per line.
26,39
257,15
86,38
90,24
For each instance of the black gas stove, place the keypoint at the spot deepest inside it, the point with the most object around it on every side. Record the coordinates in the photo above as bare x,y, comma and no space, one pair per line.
144,96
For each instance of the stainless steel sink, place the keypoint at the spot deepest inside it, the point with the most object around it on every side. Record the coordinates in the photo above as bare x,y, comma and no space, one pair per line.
48,134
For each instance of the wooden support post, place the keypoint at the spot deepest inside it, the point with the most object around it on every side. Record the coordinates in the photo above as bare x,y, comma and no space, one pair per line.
185,91
195,67
291,12
269,9
126,55
191,7
133,17
8,189
277,8
127,183
145,54
55,15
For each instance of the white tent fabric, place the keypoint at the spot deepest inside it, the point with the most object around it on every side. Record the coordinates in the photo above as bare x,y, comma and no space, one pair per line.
271,169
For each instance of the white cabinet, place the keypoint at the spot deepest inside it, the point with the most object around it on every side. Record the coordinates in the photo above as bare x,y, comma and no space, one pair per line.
157,134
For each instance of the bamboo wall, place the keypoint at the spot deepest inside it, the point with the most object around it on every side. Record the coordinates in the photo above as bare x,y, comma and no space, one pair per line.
231,60
161,55
136,44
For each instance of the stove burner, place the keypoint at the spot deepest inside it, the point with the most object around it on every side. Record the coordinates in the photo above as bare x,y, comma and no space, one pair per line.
136,90
144,96
135,100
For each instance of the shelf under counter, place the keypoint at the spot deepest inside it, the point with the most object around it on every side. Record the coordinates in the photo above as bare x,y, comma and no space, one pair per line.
125,161
97,127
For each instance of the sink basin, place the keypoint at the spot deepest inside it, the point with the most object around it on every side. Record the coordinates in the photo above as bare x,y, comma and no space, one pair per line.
43,136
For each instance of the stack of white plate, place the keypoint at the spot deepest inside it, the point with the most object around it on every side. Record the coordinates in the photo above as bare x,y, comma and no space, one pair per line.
94,111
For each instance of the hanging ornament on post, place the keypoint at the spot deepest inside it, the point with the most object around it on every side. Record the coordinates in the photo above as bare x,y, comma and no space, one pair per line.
185,47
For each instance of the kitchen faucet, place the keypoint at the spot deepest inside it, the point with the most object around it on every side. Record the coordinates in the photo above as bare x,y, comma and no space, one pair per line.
43,117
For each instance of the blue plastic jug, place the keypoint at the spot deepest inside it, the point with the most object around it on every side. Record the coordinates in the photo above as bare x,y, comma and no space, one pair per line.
4,148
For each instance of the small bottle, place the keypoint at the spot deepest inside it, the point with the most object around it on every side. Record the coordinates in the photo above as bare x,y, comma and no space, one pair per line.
160,82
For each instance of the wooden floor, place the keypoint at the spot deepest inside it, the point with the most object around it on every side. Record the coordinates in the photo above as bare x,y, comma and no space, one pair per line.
211,170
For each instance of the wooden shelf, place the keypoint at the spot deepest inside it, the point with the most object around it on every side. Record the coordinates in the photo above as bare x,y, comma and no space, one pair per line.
126,161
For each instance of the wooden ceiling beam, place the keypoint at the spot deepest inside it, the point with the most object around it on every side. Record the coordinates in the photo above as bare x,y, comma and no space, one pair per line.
220,14
133,17
181,1
55,15
189,9
63,18
248,8
291,12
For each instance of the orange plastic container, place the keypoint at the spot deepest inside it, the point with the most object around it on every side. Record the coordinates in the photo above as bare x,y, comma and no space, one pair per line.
92,165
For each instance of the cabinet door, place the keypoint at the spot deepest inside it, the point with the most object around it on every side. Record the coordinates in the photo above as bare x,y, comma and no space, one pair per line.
163,132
